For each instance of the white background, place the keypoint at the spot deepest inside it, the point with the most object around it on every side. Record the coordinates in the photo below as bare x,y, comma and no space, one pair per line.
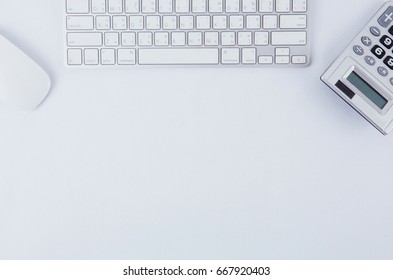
199,163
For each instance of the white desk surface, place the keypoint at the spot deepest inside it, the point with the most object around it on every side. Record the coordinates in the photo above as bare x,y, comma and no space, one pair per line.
195,163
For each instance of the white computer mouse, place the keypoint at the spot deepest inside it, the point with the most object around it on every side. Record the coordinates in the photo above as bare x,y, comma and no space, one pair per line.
23,83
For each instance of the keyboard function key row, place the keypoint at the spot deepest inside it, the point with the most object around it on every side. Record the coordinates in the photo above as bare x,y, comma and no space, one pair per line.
184,6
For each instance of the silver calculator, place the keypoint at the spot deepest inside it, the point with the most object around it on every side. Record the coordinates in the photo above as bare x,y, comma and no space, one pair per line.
363,74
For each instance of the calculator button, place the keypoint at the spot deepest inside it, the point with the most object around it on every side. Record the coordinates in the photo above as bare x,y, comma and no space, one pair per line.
387,18
389,62
378,51
358,50
382,71
366,41
387,42
391,81
391,30
370,60
375,31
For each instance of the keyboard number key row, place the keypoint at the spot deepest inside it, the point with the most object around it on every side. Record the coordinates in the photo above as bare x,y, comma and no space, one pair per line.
154,22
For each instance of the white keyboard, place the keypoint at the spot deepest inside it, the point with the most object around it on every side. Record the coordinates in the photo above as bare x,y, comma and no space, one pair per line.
122,33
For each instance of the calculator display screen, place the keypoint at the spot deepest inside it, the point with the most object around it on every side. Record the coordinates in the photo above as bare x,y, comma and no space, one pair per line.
367,90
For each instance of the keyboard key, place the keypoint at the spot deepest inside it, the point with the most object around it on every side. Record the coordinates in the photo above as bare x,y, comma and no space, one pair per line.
126,57
169,22
182,6
283,6
295,38
98,6
103,22
293,21
215,6
249,6
161,39
136,22
253,22
211,38
80,23
108,57
299,59
282,51
165,6
152,22
236,22
203,22
282,59
244,38
74,57
228,38
111,39
194,38
148,6
270,21
119,22
132,6
91,56
230,56
249,55
219,22
93,39
265,59
198,6
186,22
77,6
266,6
115,6
128,39
178,38
178,56
145,39
232,6
261,38
300,6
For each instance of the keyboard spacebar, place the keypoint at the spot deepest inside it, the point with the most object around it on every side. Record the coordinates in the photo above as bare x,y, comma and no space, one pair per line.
178,56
